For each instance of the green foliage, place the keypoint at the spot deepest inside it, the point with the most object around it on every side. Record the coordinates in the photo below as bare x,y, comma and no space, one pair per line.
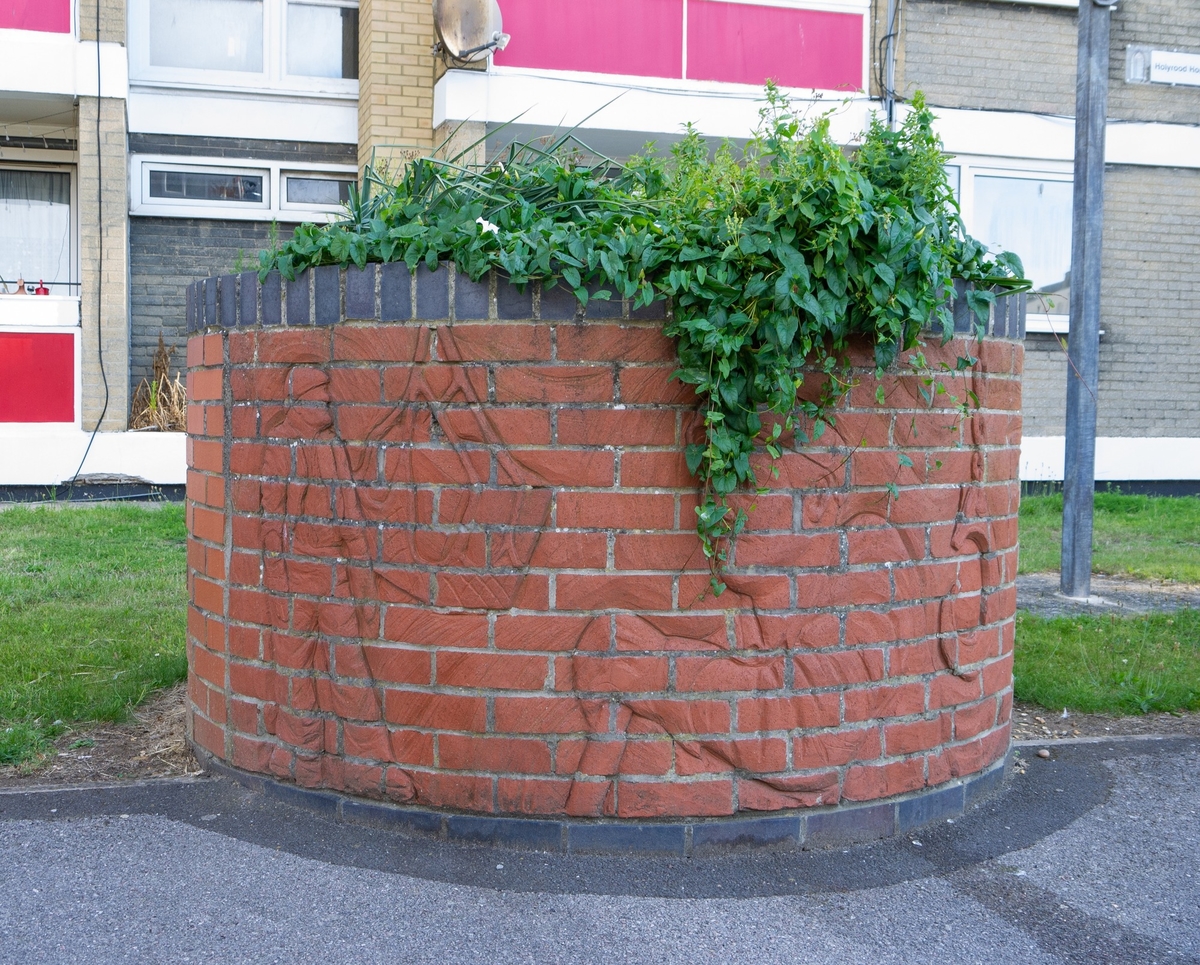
1121,665
1149,537
93,605
773,261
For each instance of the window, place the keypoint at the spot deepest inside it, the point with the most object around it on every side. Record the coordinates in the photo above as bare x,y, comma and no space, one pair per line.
35,229
1028,212
170,186
305,45
322,40
207,34
309,191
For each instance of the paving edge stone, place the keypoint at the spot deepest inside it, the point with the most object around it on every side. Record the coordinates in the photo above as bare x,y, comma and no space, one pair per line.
811,829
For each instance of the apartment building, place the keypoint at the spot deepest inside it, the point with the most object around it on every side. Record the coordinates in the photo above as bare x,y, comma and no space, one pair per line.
144,143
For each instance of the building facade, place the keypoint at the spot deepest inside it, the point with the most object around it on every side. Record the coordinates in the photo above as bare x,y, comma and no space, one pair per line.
144,143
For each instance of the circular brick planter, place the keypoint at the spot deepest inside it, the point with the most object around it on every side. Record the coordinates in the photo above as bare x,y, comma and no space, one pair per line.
442,555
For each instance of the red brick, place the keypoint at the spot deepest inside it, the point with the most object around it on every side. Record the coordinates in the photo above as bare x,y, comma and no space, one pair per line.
380,423
728,673
653,384
753,592
435,383
925,505
209,667
496,426
787,713
972,721
764,632
624,427
900,623
205,384
352,385
301,732
890,545
789,551
558,550
558,383
396,665
293,652
259,384
669,632
411,747
659,551
492,671
259,459
651,800
599,756
532,796
494,343
576,592
831,589
381,343
294,346
502,755
780,793
208,735
601,343
251,755
839,510
208,595
433,548
837,748
480,591
205,456
437,466
555,467
414,708
675,717
925,581
214,352
871,782
348,702
761,754
823,669
530,507
550,715
344,542
367,741
452,791
551,633
334,462
656,470
245,642
998,676
311,384
610,674
383,505
429,629
918,736
875,703
615,511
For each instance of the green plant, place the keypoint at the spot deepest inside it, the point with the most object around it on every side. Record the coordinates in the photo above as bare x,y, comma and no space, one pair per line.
773,260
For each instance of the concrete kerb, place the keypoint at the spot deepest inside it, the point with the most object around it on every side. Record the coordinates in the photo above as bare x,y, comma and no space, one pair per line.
810,829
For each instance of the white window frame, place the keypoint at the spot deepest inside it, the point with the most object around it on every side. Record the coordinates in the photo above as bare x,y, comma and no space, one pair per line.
272,207
273,78
70,170
970,167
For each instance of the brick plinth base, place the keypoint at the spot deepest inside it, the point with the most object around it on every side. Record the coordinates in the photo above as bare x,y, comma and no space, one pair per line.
442,553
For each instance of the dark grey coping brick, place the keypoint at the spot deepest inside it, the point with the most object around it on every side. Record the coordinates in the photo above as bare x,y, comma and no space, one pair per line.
511,832
228,285
297,300
655,311
511,303
629,838
612,307
191,306
271,299
559,304
322,802
471,298
984,784
391,817
210,302
964,318
766,832
395,292
433,293
929,807
327,296
249,296
852,825
360,292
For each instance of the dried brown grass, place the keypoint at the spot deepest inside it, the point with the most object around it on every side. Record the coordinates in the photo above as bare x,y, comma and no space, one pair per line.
160,402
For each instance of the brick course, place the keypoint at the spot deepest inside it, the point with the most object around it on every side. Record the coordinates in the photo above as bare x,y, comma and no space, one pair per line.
459,598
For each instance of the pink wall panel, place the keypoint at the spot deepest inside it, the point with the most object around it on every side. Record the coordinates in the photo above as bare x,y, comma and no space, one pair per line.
639,37
51,16
37,377
743,43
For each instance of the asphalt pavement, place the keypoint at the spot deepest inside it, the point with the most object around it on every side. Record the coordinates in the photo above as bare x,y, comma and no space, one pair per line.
1090,857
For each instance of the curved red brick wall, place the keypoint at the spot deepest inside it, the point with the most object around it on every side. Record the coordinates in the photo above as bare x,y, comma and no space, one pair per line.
449,559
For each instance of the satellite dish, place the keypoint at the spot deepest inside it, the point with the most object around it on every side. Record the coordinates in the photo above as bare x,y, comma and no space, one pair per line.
468,30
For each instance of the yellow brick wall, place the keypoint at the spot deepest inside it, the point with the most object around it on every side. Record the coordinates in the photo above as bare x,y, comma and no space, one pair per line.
112,20
104,206
396,73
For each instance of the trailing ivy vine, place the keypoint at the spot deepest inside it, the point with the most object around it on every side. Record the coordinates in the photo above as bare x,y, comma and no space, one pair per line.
773,257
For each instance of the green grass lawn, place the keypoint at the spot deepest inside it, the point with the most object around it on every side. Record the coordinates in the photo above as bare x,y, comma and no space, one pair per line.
93,609
1151,537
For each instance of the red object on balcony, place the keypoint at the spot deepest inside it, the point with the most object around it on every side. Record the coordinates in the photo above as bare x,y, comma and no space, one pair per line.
37,377
49,16
639,37
746,43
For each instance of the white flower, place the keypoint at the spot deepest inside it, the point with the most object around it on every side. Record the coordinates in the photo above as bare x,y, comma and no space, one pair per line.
487,225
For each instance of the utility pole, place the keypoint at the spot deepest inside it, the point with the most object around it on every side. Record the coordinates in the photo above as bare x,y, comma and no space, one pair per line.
1083,341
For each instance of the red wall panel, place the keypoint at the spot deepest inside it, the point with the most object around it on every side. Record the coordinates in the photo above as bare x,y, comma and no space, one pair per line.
743,43
51,16
37,377
639,37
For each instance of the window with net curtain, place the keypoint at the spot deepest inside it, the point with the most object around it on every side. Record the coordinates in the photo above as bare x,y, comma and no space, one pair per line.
320,38
35,229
